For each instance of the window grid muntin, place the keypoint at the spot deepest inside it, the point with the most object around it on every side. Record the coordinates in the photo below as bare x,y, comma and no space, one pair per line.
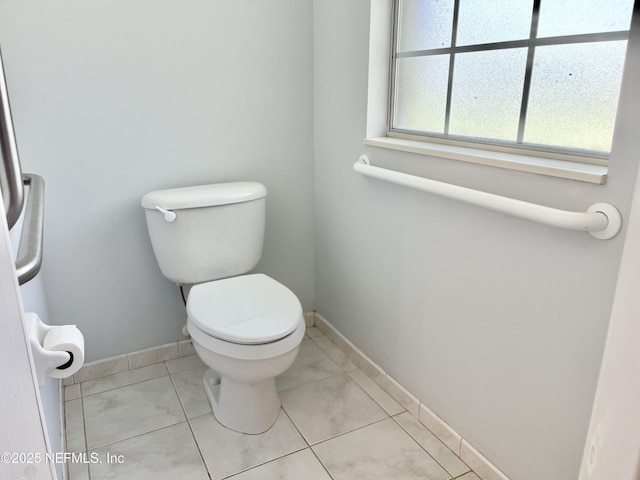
531,43
526,88
452,63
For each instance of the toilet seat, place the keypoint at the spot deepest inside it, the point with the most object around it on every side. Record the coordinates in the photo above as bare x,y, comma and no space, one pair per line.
246,352
246,310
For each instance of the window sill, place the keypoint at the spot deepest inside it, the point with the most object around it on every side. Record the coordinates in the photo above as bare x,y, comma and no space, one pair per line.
524,163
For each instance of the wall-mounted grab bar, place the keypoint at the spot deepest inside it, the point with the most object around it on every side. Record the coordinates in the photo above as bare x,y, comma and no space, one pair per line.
11,175
31,240
602,220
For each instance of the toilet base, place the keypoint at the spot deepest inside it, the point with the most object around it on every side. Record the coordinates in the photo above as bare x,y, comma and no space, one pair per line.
242,407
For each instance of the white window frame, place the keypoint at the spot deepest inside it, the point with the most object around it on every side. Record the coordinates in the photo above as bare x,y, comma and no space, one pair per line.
569,165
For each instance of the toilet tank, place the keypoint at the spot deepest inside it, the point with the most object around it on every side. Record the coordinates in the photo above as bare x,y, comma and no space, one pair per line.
217,232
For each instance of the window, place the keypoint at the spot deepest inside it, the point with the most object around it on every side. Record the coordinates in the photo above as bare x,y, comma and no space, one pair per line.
538,75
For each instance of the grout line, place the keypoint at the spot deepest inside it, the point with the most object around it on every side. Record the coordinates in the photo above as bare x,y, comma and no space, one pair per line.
195,439
137,435
427,451
373,399
184,410
84,432
122,386
267,462
310,382
404,409
84,425
321,463
347,433
306,447
295,426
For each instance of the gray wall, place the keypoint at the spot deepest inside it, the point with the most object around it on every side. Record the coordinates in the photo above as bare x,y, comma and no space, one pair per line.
114,99
495,323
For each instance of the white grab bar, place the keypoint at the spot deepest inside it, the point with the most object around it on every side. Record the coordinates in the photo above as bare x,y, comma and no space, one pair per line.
602,220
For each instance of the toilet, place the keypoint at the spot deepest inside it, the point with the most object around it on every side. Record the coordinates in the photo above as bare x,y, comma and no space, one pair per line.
246,328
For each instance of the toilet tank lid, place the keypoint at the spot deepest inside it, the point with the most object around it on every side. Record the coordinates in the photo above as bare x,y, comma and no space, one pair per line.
204,195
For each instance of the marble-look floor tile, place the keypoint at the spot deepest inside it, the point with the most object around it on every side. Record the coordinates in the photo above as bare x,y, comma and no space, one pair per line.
310,365
376,392
438,450
71,392
334,353
77,471
122,379
118,414
297,466
166,454
74,426
379,451
227,452
329,407
190,387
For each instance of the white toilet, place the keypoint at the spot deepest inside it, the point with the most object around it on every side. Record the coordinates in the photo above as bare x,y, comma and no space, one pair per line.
246,328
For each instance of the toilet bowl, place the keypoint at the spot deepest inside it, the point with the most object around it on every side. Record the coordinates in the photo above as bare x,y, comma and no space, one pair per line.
247,330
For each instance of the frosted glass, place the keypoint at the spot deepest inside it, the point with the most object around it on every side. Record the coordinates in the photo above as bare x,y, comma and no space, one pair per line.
572,17
422,93
487,93
480,21
425,24
574,95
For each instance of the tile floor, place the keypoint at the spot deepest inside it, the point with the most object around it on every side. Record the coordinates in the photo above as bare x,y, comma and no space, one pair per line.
155,422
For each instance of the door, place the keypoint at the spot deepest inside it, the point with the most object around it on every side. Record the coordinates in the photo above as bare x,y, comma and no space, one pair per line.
612,449
23,439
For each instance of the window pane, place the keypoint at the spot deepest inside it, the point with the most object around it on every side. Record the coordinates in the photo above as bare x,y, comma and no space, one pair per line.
487,93
425,24
421,93
574,95
572,17
480,21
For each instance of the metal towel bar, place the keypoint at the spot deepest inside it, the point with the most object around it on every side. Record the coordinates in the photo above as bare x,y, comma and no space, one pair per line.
31,240
601,220
11,175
